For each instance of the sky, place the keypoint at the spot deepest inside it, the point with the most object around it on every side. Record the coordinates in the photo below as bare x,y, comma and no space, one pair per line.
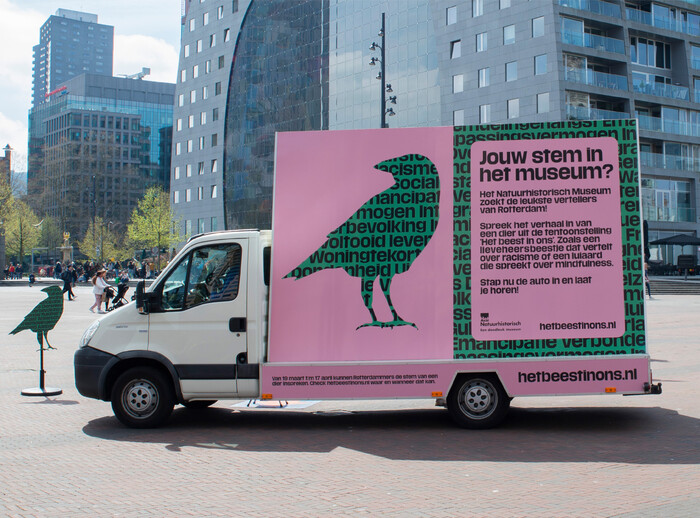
146,34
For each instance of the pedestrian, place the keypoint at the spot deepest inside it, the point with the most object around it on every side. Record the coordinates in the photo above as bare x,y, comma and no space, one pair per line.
58,270
12,270
99,284
66,277
646,280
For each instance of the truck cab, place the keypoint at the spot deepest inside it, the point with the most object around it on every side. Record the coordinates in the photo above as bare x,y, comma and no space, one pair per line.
196,335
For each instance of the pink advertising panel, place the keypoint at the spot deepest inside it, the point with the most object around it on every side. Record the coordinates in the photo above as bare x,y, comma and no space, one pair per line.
425,380
362,246
546,239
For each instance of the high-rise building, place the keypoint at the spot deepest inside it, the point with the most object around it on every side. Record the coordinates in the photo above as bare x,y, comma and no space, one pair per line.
104,141
304,65
70,43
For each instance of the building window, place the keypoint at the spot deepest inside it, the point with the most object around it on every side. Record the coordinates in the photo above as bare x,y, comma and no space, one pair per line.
202,142
178,125
203,118
481,42
215,166
200,225
513,108
200,168
200,195
188,195
538,27
189,146
451,15
213,191
176,196
477,8
188,170
234,6
511,71
205,92
543,102
214,139
484,114
176,173
191,24
205,19
214,224
195,71
220,12
541,64
190,121
187,51
188,228
212,40
193,96
199,45
215,114
650,53
221,62
178,148
227,35
455,49
183,76
484,77
181,100
504,4
509,34
458,118
207,66
457,83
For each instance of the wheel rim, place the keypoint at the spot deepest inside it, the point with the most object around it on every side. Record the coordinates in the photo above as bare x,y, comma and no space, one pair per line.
478,399
140,398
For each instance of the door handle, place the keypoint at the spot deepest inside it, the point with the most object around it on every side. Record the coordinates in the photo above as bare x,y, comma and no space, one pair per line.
237,324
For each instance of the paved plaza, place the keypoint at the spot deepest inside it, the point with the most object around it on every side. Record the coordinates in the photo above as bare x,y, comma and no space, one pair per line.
570,456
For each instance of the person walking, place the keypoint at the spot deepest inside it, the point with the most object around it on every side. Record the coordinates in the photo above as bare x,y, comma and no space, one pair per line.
646,280
67,278
99,284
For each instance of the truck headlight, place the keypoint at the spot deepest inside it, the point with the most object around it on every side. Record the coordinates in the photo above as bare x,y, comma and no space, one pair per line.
88,334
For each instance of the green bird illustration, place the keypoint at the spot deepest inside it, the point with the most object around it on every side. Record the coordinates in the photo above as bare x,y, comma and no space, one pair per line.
44,316
384,236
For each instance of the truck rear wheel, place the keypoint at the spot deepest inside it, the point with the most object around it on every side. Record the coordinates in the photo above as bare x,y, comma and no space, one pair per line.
142,397
477,402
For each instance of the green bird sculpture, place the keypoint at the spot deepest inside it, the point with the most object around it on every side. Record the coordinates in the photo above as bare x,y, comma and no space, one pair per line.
385,236
44,316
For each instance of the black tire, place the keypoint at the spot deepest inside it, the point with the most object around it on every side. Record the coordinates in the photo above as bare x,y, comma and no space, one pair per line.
142,397
478,402
199,404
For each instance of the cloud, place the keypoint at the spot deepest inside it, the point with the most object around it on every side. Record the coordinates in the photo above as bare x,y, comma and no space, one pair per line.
133,52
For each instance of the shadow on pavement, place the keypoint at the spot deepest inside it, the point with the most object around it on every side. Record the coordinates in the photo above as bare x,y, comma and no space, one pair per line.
615,435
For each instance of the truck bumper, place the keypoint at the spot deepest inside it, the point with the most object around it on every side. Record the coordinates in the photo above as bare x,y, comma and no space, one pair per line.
89,366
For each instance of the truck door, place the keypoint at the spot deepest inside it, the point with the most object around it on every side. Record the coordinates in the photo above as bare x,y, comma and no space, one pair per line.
198,320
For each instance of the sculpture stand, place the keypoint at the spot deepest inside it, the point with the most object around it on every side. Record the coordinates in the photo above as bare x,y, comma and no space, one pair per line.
41,390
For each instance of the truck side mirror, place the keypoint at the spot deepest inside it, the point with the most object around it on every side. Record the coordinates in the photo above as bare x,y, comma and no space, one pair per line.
141,298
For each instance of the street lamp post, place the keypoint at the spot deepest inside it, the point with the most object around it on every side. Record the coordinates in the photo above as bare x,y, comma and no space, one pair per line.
385,88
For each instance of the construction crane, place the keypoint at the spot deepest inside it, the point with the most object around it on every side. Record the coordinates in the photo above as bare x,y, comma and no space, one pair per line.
138,75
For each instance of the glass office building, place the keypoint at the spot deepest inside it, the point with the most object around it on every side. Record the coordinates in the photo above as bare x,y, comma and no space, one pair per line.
104,141
304,65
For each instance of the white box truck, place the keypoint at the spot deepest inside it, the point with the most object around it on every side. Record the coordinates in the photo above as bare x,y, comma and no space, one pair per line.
506,261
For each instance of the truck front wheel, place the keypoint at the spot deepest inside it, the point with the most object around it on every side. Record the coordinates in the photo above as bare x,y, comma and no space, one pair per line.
477,402
142,397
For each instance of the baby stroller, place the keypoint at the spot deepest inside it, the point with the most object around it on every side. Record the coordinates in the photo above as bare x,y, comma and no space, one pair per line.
119,299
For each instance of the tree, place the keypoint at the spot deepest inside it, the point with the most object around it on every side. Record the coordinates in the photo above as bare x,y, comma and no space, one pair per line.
101,242
21,229
153,223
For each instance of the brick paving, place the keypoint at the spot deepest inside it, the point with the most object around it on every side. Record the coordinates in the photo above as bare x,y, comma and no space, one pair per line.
582,456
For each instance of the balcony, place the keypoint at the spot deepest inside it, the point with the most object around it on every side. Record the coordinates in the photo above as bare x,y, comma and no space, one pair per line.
593,6
662,22
585,113
668,126
653,213
661,161
593,41
600,79
680,93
